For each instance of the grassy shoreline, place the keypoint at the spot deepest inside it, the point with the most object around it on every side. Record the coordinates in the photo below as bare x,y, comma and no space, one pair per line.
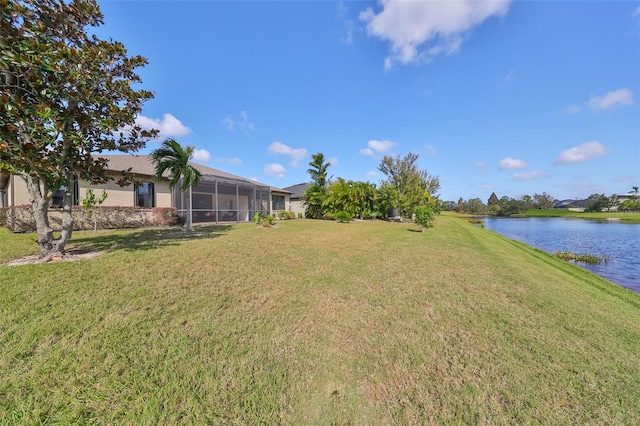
315,322
624,216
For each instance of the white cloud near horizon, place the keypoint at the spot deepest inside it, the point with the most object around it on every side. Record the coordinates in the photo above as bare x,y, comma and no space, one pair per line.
418,31
510,163
372,173
333,161
377,147
296,154
582,153
201,155
169,126
611,99
536,174
636,12
275,170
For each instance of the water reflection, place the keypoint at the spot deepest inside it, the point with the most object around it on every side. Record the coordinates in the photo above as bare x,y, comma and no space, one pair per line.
617,239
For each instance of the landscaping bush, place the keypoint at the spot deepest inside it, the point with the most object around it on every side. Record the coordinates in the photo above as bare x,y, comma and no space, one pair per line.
282,214
343,217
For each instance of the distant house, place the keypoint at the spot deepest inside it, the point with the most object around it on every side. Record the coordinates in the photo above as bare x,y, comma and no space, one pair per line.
297,206
220,197
572,205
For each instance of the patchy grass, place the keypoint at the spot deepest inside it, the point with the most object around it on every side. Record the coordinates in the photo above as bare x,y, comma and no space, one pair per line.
314,322
584,258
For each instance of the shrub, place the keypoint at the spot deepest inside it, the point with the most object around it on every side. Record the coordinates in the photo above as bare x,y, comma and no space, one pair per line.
343,216
267,221
257,218
292,215
300,216
424,216
166,216
282,214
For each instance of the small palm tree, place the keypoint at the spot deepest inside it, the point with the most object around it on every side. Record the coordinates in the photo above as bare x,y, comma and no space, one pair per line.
174,157
635,189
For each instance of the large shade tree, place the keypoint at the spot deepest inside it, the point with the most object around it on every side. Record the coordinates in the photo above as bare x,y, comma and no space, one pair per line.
65,97
173,157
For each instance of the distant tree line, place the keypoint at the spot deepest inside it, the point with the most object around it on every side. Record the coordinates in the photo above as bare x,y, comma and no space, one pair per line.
507,206
406,189
504,206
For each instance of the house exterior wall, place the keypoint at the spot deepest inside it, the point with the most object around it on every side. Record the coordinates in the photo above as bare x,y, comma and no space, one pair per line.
17,193
287,201
297,207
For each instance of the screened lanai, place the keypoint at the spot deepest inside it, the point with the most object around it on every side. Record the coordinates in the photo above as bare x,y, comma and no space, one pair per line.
223,199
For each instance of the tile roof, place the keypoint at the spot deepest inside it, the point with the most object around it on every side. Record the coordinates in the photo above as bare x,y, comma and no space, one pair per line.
297,190
142,164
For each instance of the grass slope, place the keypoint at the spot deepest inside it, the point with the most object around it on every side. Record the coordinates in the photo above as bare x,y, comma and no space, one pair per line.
315,322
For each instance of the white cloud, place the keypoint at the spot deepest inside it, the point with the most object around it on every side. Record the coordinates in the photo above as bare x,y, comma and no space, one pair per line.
169,126
418,31
509,163
372,173
636,12
235,160
582,153
611,99
528,175
244,123
201,155
377,147
296,154
333,161
431,150
275,170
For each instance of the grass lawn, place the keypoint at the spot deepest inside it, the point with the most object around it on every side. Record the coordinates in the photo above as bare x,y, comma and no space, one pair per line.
314,322
626,216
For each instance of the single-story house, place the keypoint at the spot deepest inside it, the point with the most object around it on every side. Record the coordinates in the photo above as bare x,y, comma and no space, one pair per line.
572,205
219,197
297,206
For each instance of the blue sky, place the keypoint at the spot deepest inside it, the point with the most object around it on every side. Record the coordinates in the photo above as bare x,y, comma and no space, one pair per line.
495,96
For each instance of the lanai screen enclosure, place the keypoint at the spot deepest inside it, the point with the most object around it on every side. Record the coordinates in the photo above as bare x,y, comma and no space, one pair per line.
223,199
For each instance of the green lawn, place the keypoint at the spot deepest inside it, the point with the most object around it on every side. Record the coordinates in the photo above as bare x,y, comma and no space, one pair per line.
626,216
314,322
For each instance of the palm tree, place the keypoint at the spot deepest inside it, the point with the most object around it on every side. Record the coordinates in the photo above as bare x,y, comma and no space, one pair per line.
635,189
175,158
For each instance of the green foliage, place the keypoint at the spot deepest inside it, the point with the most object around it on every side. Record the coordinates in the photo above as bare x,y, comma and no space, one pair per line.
267,221
300,215
282,214
66,96
343,217
425,216
173,157
359,199
597,203
315,195
257,218
406,186
90,201
583,258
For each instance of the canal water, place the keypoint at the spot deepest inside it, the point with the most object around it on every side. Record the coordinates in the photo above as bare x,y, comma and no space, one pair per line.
616,239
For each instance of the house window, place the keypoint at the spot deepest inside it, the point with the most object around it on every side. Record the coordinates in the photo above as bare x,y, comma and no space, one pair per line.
144,195
277,201
57,199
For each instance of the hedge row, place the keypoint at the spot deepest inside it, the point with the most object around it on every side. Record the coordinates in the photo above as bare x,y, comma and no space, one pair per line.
20,218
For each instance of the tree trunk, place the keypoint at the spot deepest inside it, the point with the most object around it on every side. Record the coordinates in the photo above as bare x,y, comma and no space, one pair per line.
40,199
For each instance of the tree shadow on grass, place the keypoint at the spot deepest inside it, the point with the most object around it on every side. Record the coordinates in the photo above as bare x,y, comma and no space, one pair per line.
146,239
